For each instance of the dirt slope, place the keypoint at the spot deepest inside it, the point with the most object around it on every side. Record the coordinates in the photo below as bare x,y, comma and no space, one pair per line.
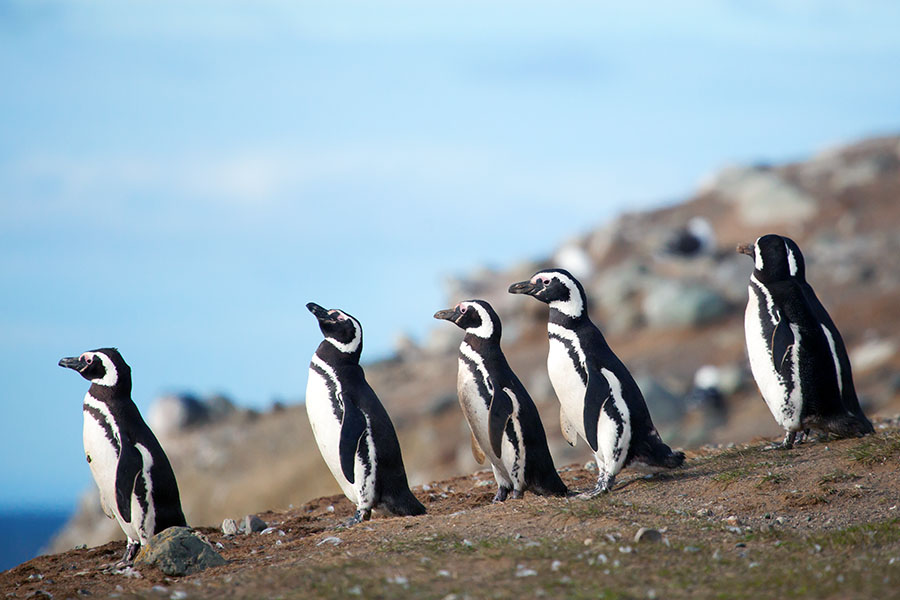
819,521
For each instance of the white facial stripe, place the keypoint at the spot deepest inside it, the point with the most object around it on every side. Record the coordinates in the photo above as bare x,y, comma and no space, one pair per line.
757,257
792,260
486,329
111,376
568,334
834,356
574,306
104,410
351,346
466,350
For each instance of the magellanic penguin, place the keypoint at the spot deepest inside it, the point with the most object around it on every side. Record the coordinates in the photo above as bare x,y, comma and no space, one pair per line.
599,399
797,355
353,431
506,426
136,481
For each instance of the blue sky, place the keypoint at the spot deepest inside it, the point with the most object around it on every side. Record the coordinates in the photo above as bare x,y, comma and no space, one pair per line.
179,180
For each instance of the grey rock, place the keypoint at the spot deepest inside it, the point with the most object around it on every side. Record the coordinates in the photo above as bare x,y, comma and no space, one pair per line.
178,551
646,534
762,196
672,303
229,527
252,524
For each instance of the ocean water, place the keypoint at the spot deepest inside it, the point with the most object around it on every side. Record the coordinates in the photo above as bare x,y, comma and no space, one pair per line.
24,533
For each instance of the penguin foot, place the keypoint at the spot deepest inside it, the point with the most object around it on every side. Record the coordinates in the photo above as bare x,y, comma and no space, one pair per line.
788,442
604,486
803,436
518,494
360,516
131,550
502,493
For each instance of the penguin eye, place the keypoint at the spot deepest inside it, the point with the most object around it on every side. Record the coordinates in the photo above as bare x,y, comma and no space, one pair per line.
545,281
463,309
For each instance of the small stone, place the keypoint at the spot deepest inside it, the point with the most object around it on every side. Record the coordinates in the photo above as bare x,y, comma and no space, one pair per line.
626,549
268,530
159,589
602,559
590,466
355,591
467,543
330,508
691,549
443,573
178,595
35,577
333,540
646,534
555,565
588,541
779,520
523,571
740,545
704,512
252,524
717,555
733,520
229,527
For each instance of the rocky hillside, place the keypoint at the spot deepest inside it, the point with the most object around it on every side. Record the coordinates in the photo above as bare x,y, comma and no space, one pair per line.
667,289
817,521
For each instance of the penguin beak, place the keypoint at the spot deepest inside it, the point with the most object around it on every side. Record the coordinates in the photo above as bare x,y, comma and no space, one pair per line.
318,312
747,249
73,362
523,287
446,315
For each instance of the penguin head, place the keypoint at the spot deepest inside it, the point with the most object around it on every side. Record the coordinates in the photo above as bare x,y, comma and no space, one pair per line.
775,258
104,366
340,329
477,317
556,287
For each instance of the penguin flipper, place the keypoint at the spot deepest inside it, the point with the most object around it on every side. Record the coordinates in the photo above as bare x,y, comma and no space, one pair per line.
477,452
596,394
782,341
498,416
569,431
127,469
353,426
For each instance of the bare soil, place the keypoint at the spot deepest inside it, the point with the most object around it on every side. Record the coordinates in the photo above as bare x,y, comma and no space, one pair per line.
818,521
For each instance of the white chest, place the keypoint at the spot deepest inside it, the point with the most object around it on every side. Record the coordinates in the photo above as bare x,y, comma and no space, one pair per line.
567,383
101,453
783,406
474,407
325,425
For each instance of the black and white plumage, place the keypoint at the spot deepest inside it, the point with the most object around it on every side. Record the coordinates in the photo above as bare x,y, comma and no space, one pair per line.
505,423
599,399
352,429
136,482
797,355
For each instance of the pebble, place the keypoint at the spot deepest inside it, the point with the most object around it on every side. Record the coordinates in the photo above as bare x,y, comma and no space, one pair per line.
626,549
733,520
159,589
399,580
646,534
355,591
555,565
333,540
523,571
602,559
443,573
330,508
691,549
252,524
229,527
590,466
717,555
779,520
467,543
178,595
704,512
588,541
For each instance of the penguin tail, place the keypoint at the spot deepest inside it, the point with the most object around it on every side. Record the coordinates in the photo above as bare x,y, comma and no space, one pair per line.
850,425
656,453
550,485
403,504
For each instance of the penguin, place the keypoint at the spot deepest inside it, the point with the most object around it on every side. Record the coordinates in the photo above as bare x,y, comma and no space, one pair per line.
136,482
352,429
599,399
797,355
505,423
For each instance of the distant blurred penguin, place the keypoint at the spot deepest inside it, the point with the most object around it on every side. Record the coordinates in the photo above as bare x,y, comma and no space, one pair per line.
599,399
692,240
797,355
353,431
136,481
707,396
506,426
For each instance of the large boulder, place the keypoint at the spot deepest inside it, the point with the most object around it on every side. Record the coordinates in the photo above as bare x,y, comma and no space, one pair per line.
178,551
681,304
